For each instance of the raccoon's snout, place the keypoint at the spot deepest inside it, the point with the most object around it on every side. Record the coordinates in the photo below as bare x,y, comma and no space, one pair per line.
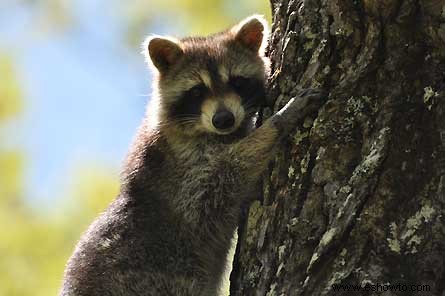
223,120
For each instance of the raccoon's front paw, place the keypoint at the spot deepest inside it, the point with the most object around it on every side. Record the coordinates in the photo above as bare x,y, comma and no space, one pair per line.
312,99
314,93
308,101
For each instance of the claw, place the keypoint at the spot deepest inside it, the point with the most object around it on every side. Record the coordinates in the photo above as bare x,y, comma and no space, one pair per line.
313,92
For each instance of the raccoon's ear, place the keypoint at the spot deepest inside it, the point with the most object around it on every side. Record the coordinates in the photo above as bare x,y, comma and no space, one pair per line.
163,52
251,31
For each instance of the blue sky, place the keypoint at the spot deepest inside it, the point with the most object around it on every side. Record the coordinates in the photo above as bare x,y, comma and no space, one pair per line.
85,92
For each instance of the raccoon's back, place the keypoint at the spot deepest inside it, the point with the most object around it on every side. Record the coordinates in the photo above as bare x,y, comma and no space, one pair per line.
131,249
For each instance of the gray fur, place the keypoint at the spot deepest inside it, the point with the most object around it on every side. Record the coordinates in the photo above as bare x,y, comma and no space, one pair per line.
169,230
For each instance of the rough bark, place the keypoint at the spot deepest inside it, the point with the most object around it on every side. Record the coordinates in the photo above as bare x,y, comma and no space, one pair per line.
356,194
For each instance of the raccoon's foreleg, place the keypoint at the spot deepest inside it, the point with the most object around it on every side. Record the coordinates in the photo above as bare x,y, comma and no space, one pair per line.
254,150
296,109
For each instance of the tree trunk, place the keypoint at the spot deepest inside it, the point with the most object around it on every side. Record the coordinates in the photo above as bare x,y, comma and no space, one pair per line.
356,194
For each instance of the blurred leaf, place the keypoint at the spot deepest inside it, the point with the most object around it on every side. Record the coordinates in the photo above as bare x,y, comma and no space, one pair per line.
186,17
10,94
35,248
54,16
11,170
93,188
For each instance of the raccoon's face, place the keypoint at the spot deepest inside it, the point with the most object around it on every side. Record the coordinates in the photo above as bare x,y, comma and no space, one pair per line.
211,84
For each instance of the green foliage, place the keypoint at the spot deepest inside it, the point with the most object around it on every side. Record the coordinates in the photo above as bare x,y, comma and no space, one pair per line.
35,246
11,160
10,96
186,17
11,170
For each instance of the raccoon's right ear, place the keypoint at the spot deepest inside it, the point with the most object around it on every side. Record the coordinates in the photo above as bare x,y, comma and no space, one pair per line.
163,52
252,33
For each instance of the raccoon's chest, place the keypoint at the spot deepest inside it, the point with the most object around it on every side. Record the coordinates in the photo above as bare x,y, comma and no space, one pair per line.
206,171
209,179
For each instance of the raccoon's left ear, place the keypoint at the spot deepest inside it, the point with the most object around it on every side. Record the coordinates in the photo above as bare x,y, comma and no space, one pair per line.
251,31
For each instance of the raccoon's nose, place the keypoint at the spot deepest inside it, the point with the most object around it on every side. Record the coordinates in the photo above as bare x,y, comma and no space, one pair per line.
223,119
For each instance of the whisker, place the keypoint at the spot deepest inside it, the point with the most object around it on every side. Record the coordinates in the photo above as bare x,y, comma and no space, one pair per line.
207,116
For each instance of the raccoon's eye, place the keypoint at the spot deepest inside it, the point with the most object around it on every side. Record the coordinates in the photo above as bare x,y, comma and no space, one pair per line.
251,90
241,84
197,92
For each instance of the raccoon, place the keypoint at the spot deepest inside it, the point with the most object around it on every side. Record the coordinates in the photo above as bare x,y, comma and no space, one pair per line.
196,158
